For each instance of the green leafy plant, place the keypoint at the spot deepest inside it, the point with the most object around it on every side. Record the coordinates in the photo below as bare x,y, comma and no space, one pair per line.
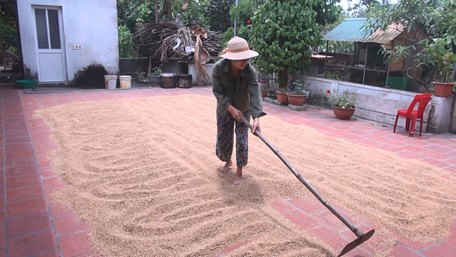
217,14
297,88
435,24
438,60
337,75
284,32
91,76
126,48
156,71
346,100
281,90
190,13
243,14
8,28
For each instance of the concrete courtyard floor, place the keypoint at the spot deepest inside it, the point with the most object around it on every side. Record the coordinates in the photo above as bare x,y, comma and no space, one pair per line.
35,225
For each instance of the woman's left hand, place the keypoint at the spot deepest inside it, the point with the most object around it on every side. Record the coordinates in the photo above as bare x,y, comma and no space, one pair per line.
256,125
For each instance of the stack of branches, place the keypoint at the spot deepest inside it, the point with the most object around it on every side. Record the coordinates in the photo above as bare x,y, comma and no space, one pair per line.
161,42
149,37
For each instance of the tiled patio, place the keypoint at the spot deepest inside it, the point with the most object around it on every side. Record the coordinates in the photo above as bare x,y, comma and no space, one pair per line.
33,225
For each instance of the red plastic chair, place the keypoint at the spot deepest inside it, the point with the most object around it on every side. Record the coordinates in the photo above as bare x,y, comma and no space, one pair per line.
411,114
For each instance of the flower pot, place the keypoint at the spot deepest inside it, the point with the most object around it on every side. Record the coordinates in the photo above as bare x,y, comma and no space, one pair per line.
167,80
296,100
282,97
26,83
184,80
443,89
154,80
343,113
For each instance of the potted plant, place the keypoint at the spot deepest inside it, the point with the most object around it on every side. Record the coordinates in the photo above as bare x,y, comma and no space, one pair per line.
281,94
297,96
438,61
154,77
265,84
343,105
285,41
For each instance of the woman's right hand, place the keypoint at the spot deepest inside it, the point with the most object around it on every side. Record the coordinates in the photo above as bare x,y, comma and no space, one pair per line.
235,113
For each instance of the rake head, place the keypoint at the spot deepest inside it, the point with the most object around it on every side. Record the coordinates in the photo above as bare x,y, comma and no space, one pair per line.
361,239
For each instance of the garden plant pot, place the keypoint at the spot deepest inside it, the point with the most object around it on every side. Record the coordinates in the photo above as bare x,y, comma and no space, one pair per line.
343,113
443,89
184,80
26,83
125,81
168,80
296,100
282,97
154,80
110,81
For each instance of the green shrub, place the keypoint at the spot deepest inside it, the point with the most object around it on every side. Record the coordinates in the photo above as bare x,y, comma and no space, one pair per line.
126,49
91,76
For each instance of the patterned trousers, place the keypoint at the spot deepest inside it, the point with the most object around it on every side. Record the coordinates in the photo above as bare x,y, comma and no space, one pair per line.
224,145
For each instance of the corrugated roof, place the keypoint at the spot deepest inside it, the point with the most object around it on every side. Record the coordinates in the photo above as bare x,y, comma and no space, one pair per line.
385,37
350,30
353,30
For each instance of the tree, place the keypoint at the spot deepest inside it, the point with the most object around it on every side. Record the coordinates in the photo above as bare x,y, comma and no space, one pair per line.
126,48
191,13
243,14
284,33
8,27
434,19
218,14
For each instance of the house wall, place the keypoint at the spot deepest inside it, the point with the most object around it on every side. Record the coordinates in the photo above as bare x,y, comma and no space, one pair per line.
92,24
381,104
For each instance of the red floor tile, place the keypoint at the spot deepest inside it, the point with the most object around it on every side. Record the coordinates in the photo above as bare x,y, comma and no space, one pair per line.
25,193
18,162
75,244
52,183
330,237
32,245
69,224
22,181
330,221
58,210
51,253
47,173
28,225
308,205
282,206
33,206
27,202
18,139
302,220
441,250
26,170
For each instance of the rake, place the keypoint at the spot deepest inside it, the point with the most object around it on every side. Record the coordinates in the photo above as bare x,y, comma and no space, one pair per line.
361,237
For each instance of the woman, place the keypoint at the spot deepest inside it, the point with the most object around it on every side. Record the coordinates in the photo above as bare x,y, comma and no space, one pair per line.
235,86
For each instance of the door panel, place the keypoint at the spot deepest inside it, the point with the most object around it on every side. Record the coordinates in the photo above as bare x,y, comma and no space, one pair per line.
51,58
51,66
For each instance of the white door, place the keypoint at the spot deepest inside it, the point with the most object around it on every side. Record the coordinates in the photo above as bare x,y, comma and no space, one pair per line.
51,57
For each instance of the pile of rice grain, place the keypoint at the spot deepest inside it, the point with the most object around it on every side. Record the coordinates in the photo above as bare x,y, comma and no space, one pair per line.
143,174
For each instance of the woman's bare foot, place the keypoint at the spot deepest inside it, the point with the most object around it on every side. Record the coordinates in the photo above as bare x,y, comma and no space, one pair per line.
238,178
226,167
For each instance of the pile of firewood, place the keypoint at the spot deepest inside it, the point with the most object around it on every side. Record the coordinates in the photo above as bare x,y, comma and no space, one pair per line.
161,42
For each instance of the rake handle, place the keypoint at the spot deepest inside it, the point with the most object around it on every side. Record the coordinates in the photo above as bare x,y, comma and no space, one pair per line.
300,178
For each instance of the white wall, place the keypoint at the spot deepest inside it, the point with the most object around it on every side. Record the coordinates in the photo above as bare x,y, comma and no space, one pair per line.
381,104
89,23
